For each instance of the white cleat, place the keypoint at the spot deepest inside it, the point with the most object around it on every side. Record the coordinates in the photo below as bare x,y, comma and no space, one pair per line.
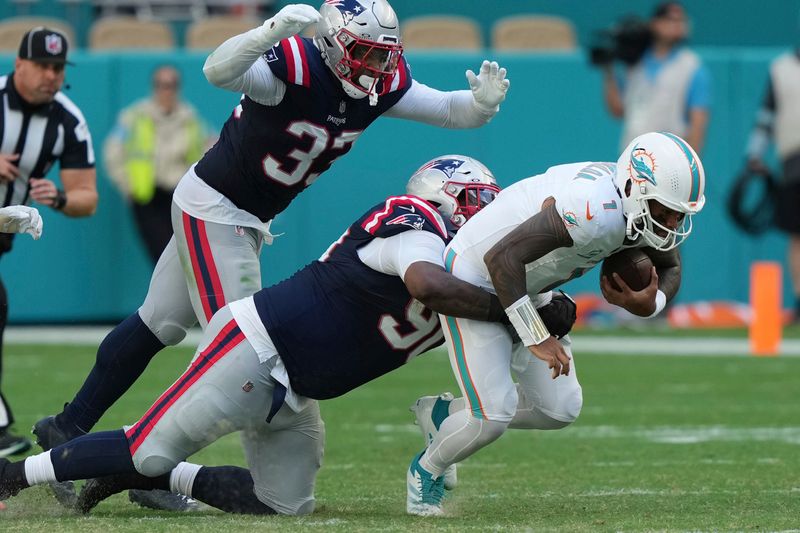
423,410
424,494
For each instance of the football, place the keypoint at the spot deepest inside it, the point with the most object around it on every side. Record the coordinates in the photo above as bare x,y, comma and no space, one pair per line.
632,265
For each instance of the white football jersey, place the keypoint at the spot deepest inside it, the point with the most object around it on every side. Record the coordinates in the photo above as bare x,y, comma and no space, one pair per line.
590,208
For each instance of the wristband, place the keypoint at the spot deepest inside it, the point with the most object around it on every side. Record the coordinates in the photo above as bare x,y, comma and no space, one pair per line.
60,201
527,322
661,303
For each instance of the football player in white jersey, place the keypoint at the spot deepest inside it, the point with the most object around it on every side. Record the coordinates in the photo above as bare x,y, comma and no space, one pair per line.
538,234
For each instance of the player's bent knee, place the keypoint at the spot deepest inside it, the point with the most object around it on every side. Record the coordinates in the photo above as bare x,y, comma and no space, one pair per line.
570,408
154,465
169,332
300,507
565,412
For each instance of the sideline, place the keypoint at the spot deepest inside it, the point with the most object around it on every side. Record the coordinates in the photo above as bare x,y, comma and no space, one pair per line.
683,346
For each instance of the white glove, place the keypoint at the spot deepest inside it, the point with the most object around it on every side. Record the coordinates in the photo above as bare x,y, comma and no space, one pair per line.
489,87
21,219
290,20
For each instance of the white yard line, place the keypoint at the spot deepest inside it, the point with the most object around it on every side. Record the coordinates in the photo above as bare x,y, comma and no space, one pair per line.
582,344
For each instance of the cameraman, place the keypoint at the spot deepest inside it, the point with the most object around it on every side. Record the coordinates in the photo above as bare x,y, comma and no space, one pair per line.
778,120
667,89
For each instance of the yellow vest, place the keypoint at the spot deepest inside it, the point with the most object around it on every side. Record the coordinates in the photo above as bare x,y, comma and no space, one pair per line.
140,150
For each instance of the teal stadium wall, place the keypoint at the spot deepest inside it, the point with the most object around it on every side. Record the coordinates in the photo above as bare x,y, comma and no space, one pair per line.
94,269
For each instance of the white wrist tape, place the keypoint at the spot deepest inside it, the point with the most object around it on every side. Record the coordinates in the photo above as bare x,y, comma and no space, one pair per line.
527,322
661,302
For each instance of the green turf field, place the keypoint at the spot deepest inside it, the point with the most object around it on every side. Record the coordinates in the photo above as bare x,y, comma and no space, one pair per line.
663,443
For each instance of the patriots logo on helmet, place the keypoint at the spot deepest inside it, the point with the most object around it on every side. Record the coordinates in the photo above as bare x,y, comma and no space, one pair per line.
349,8
642,165
411,219
447,166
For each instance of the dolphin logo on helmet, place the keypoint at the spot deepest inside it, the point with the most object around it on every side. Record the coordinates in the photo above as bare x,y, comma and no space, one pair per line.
659,166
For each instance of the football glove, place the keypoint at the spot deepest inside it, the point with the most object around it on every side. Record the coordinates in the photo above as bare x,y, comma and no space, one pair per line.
290,20
559,315
489,87
21,219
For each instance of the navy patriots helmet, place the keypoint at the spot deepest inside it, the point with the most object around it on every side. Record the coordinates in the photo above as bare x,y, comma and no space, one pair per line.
360,42
458,185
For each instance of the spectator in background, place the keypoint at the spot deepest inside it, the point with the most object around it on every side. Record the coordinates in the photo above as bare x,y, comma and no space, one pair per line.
669,89
779,119
40,125
146,154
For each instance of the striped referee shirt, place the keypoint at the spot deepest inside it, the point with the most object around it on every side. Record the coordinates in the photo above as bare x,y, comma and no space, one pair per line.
41,135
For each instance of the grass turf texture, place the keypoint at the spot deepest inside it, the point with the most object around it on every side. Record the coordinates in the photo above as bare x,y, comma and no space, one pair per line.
663,443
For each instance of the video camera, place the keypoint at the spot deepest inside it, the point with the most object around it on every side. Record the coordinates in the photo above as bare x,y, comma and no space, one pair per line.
625,41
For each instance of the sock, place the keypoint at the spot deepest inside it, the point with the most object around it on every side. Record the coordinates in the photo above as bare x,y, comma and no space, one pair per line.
460,436
182,478
92,455
228,488
39,469
441,410
121,358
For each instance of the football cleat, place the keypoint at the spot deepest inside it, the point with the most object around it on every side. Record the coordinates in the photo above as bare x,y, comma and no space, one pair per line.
48,436
13,444
424,409
424,494
94,491
8,486
163,500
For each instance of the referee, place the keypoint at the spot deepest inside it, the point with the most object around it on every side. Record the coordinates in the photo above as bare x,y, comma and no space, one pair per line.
38,126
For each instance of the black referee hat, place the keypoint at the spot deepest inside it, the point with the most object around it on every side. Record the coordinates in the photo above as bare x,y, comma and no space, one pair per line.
44,45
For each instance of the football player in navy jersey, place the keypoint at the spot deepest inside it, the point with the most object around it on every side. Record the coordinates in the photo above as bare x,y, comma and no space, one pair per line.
304,103
366,307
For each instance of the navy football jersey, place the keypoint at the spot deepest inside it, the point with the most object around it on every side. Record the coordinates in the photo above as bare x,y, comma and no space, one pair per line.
337,323
266,155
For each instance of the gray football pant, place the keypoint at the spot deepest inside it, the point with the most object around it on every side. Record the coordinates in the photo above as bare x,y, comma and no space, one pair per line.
225,389
204,266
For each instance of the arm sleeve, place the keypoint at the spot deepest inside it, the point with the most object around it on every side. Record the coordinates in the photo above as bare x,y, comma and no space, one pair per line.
393,255
453,109
237,65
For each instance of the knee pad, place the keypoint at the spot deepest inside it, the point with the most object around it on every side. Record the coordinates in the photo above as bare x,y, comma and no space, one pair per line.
563,413
303,507
167,329
570,408
154,465
169,333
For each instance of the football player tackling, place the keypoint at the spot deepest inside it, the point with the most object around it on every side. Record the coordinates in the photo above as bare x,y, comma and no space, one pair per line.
538,234
305,102
363,309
